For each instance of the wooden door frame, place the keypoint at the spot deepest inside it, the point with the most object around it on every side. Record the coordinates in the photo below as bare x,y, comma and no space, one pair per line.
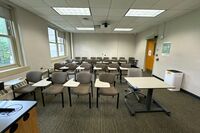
153,38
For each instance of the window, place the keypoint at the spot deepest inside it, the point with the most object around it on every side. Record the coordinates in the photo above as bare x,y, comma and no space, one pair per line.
56,43
7,55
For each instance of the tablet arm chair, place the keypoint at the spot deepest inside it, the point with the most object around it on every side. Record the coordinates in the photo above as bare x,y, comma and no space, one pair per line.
111,91
58,79
85,86
26,86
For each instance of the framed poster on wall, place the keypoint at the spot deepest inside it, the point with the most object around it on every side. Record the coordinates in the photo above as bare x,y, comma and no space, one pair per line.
166,48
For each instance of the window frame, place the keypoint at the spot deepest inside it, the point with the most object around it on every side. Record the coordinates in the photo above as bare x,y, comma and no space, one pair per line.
13,39
57,43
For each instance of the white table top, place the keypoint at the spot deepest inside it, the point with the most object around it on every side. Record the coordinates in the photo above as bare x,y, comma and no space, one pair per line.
42,83
74,62
124,68
80,68
97,68
99,61
14,81
114,62
110,68
147,83
122,62
64,68
71,83
106,62
100,84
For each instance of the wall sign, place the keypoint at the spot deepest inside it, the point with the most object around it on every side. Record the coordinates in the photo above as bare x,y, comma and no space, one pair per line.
166,48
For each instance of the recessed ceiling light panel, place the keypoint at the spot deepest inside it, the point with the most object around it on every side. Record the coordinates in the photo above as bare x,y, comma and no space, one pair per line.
123,29
72,11
85,28
143,12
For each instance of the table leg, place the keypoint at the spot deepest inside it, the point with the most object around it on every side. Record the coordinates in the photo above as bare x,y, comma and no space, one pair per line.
94,75
120,76
149,98
69,91
97,97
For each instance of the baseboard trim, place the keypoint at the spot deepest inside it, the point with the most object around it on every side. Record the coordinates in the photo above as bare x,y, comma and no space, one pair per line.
191,94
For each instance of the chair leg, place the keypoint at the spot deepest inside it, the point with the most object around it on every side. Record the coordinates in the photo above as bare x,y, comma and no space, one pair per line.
117,100
43,99
70,102
14,95
62,99
91,88
13,92
128,94
137,97
34,95
75,76
97,97
90,100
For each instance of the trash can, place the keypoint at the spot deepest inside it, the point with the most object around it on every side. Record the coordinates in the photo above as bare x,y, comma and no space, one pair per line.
174,77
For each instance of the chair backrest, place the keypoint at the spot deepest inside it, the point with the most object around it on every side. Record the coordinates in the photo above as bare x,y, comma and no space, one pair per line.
113,65
92,58
69,61
105,58
77,58
72,66
126,65
88,61
134,72
33,76
103,66
121,58
114,58
59,77
84,58
87,66
99,58
107,77
58,65
84,77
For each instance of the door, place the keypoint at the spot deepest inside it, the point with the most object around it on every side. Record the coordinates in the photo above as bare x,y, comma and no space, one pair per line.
150,52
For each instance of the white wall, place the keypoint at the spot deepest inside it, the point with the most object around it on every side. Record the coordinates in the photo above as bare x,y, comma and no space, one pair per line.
184,34
34,38
98,45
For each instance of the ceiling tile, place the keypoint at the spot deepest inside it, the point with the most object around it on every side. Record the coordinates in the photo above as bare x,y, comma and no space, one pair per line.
34,3
122,4
166,4
99,11
144,4
57,3
99,3
117,12
78,3
188,4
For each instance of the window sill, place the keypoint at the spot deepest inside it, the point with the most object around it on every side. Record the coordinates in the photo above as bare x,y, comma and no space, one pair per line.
58,59
13,71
